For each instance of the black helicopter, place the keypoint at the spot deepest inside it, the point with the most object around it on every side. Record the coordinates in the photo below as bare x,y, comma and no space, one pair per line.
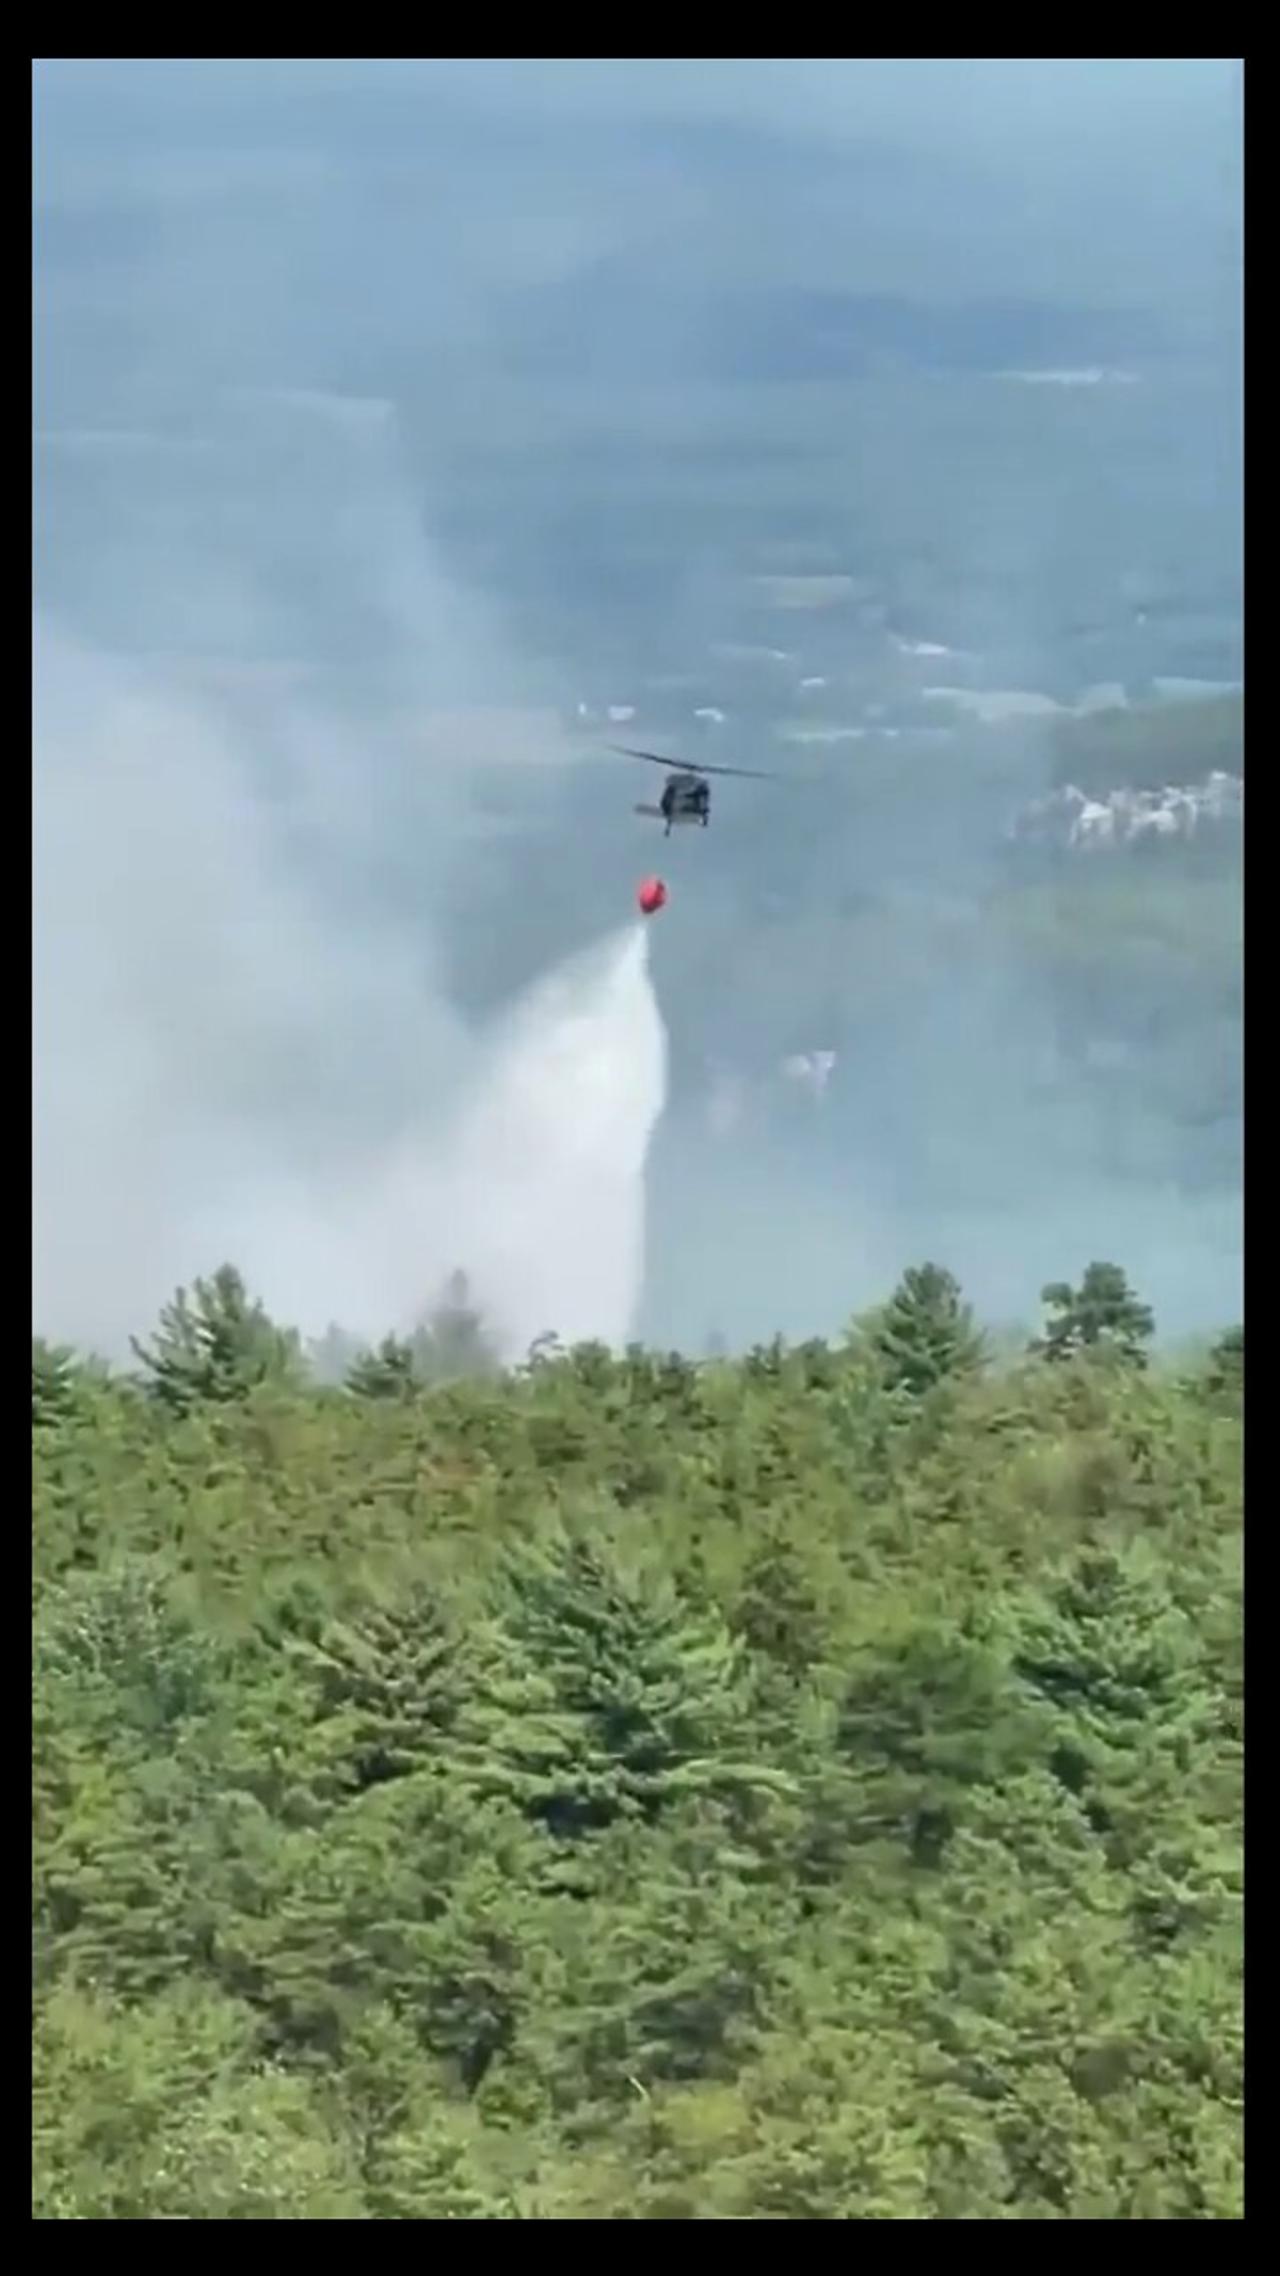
686,793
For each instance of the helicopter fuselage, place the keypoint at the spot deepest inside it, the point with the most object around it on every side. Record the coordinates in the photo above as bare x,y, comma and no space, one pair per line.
686,798
686,793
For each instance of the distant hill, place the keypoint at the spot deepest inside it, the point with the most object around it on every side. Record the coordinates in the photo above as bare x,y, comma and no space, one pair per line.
790,333
1150,744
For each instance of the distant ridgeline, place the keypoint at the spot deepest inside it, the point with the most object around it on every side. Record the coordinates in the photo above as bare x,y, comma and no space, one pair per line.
1157,773
1146,746
794,333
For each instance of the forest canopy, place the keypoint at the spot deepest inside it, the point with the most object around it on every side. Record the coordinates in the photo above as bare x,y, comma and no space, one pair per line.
799,1786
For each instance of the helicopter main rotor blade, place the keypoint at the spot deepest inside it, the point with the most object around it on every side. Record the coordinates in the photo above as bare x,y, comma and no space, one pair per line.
691,766
753,774
655,757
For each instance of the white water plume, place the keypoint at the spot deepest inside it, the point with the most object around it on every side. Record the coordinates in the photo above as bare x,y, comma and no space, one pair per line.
533,1185
544,1177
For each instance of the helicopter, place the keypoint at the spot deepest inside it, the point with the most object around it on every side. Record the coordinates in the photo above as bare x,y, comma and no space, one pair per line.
686,793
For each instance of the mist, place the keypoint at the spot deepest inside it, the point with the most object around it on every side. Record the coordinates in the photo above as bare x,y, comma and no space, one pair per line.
385,413
215,1047
220,1070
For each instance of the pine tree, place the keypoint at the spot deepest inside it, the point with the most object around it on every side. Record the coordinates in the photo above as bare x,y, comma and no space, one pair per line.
216,1345
671,1966
1108,1645
1102,1314
113,1650
765,1361
591,1365
607,1697
925,1332
831,1809
53,1382
1224,1371
923,1718
778,1611
453,1341
387,1373
390,1673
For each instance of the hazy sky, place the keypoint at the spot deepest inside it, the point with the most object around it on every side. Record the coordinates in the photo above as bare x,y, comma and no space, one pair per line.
275,304
183,174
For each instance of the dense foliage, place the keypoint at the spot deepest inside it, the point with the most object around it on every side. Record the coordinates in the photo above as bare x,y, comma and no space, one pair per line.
800,1787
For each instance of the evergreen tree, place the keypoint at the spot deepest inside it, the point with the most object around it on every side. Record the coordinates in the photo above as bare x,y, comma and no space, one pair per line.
1102,1314
216,1345
389,1674
591,1365
675,1974
765,1361
113,1647
53,1382
607,1697
779,1611
925,1332
453,1341
923,1718
387,1373
1109,1647
831,1809
1224,1372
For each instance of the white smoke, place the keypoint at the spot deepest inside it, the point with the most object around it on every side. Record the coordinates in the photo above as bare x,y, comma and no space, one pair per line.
245,1048
219,1073
535,1189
